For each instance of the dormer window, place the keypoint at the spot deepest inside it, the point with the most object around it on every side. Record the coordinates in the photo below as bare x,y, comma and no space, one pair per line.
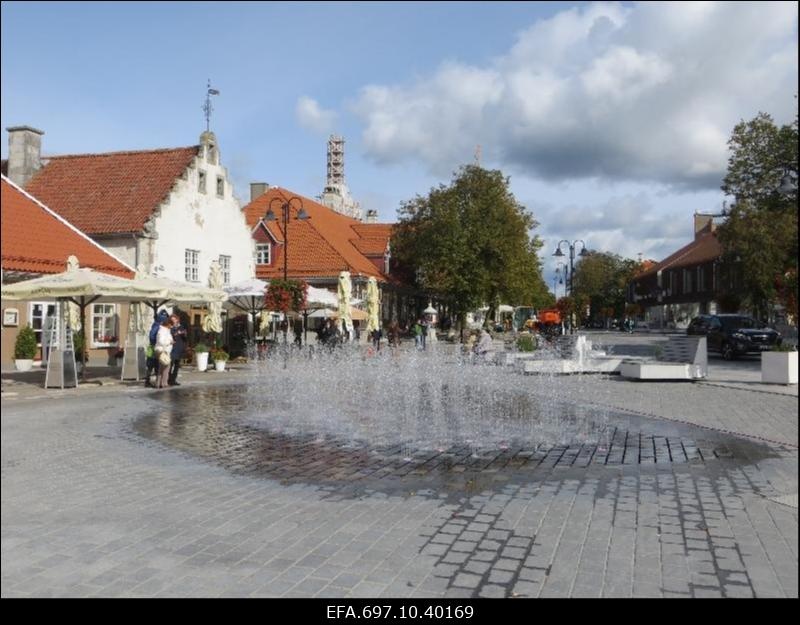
263,253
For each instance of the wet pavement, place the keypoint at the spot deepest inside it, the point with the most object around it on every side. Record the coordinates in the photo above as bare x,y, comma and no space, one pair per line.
133,493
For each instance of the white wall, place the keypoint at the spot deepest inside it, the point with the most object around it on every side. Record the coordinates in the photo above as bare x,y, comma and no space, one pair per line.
202,221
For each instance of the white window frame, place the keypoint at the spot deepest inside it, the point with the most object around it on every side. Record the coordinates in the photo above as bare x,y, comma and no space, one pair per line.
192,265
225,267
46,307
260,248
220,186
108,313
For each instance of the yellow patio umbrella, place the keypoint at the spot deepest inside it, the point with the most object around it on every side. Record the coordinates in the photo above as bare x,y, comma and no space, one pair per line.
373,306
213,321
344,292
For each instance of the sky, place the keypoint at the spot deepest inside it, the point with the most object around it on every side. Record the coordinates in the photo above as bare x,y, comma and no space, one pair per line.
611,119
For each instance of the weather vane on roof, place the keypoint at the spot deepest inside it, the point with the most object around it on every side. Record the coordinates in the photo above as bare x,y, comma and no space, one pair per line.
207,108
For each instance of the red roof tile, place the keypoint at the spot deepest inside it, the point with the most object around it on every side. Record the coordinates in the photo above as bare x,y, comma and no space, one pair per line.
36,240
321,246
704,248
113,192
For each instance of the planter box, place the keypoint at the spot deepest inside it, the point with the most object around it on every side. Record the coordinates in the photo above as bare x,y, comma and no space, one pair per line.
219,365
23,364
202,360
779,367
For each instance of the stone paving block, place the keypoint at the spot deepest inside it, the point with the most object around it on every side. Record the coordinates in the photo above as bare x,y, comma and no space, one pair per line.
466,580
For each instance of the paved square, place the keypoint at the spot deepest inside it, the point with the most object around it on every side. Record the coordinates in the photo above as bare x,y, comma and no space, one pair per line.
122,492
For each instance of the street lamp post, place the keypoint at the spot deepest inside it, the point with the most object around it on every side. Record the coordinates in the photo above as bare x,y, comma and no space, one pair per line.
571,276
302,215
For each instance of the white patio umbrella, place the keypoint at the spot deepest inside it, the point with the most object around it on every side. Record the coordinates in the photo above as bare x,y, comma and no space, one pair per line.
320,298
373,305
213,321
248,296
345,292
178,292
81,287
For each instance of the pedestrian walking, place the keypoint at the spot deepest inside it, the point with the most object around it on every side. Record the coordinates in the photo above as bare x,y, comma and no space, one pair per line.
163,350
151,361
377,335
179,333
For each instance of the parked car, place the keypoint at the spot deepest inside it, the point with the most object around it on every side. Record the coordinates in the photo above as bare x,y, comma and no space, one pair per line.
734,335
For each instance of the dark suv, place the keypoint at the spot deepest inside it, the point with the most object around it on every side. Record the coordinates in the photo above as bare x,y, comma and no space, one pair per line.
734,335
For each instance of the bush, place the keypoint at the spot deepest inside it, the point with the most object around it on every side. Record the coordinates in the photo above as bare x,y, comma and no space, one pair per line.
25,347
200,348
784,347
526,344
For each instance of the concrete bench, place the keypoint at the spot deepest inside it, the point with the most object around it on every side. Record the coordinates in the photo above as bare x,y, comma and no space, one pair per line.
682,358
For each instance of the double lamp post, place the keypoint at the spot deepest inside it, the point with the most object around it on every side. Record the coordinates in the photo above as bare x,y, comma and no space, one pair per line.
559,254
302,215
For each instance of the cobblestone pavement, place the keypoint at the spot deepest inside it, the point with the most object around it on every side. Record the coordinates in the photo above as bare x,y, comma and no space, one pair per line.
122,492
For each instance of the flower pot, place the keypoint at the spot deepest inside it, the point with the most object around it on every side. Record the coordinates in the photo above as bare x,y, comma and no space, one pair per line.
219,365
23,364
779,367
119,362
202,360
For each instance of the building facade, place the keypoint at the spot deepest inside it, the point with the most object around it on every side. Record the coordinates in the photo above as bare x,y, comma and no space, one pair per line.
685,284
36,241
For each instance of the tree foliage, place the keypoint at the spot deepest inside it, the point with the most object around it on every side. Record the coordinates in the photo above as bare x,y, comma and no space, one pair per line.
601,280
471,242
759,236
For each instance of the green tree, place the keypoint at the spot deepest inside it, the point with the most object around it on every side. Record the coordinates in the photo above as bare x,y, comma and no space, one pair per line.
601,279
471,243
759,236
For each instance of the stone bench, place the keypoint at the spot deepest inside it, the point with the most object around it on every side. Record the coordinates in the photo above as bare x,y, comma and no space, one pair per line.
682,358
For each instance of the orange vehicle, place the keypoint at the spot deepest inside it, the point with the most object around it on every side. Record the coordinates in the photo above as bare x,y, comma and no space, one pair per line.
549,321
546,320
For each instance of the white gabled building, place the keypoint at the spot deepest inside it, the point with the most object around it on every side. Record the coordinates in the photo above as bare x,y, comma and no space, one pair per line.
171,210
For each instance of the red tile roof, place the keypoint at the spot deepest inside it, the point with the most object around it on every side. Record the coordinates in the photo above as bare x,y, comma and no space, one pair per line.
704,248
109,193
37,240
321,246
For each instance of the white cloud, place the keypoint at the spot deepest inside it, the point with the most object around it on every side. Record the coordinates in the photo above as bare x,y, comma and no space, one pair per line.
311,116
643,93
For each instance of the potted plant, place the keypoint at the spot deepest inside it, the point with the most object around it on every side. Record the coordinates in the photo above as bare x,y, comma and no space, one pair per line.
779,366
25,349
81,355
201,356
220,358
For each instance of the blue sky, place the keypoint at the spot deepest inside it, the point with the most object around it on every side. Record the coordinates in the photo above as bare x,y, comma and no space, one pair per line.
611,119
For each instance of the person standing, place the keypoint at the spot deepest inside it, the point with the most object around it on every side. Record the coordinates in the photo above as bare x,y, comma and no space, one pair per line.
394,334
178,349
416,329
377,335
152,358
163,349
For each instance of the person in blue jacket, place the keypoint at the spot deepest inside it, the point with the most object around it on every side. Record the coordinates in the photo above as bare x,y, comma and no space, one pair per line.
152,359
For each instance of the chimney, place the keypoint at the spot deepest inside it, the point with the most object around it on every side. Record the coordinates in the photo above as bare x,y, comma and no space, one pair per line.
24,153
703,223
372,216
257,189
